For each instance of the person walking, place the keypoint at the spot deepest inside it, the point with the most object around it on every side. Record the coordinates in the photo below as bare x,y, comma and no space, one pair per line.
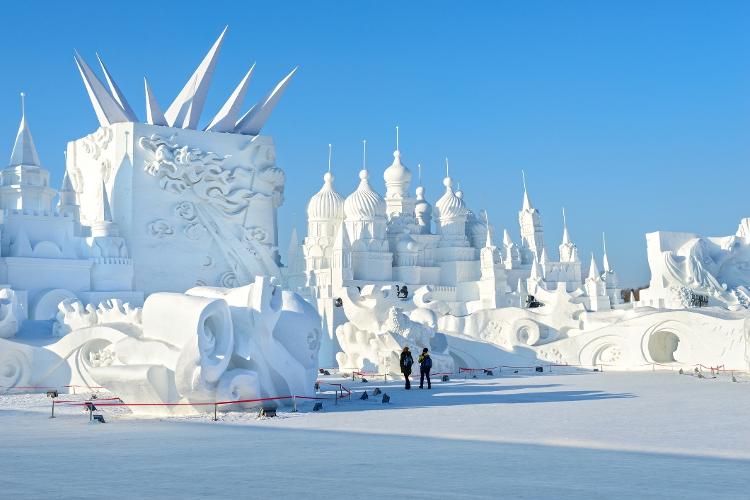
425,364
406,362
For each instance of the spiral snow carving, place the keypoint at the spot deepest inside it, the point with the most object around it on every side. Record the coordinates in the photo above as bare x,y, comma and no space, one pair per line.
15,366
200,328
526,332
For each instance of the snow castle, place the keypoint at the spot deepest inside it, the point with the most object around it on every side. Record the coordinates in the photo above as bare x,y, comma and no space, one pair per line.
413,266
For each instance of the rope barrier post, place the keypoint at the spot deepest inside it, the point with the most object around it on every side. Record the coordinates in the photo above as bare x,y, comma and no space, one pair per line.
336,400
294,404
53,408
74,390
216,408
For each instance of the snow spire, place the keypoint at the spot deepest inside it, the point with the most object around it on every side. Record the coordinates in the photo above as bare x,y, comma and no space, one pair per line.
154,115
506,238
107,109
488,243
229,113
397,149
593,269
253,121
545,258
185,110
606,260
330,152
115,91
566,236
535,273
364,154
106,209
24,151
526,201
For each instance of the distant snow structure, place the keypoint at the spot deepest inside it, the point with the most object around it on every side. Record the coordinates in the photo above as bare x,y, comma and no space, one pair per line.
371,261
688,270
391,241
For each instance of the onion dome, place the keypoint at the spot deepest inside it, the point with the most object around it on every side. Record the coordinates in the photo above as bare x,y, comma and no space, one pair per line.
449,205
364,202
406,243
397,178
326,203
422,209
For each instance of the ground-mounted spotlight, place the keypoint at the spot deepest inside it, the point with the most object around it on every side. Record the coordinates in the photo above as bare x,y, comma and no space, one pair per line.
318,406
364,396
386,398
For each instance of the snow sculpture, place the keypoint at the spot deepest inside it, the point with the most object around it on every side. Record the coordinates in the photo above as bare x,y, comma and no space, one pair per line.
378,330
9,313
688,270
211,344
197,207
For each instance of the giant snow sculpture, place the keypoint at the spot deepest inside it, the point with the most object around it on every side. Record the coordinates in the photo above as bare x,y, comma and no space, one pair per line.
378,330
197,207
153,208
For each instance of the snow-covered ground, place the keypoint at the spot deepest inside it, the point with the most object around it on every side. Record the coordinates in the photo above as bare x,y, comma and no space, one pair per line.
574,435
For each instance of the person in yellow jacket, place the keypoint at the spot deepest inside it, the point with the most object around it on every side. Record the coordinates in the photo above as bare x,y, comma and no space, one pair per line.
425,364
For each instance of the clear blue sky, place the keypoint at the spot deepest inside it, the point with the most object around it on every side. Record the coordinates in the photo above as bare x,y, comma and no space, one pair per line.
634,116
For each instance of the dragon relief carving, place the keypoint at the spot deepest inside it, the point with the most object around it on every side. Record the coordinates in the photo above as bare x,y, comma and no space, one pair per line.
216,201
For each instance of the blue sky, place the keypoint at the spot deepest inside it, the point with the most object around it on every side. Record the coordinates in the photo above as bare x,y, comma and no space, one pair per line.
634,116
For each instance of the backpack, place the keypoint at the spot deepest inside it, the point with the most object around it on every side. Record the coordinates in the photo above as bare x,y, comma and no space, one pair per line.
427,364
407,361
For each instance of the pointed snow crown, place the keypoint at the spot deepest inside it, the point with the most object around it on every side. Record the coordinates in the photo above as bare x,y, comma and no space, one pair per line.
24,151
185,110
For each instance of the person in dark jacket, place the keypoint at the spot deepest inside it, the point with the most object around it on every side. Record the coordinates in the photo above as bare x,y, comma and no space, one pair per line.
425,364
406,362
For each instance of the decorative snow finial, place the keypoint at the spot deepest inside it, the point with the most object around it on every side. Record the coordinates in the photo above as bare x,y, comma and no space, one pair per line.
330,151
419,170
447,168
397,148
364,154
23,105
523,179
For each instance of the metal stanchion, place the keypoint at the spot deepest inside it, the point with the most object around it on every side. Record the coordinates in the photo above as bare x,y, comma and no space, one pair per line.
53,408
216,417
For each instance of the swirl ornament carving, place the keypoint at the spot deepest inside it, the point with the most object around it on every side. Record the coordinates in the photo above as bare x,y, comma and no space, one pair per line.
160,228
